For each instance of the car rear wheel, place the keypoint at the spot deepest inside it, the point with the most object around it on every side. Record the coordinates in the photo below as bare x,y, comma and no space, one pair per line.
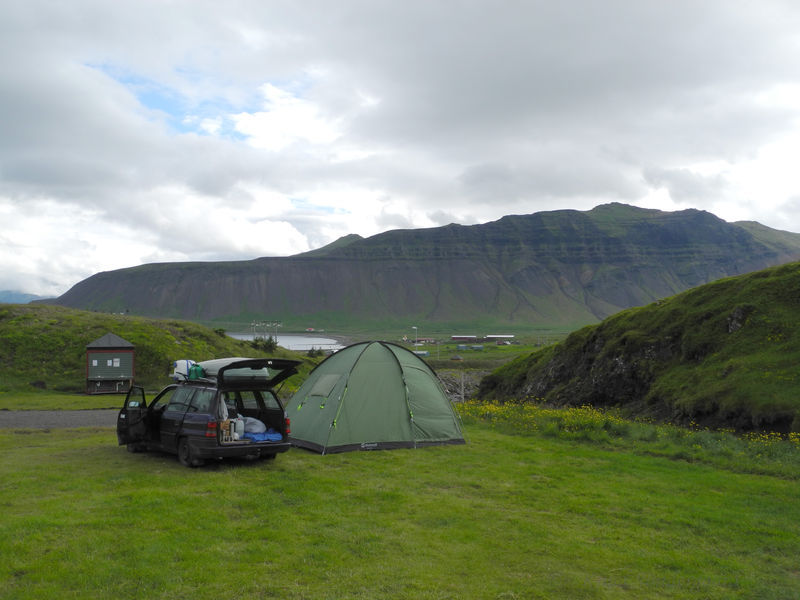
186,456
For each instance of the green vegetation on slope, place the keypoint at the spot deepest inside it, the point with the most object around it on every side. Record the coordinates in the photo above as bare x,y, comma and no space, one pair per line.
519,514
724,354
46,346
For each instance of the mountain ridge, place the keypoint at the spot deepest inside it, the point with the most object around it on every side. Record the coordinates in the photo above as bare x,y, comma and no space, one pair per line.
556,267
17,297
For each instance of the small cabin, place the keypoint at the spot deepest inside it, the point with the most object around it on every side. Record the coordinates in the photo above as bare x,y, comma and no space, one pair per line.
109,365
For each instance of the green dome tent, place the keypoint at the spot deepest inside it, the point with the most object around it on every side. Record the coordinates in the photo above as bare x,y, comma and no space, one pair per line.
372,395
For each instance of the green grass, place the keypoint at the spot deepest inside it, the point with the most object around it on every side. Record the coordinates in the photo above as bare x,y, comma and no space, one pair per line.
57,401
518,512
40,400
767,453
392,328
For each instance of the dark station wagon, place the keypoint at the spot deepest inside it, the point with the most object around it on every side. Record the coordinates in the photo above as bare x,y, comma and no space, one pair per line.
223,408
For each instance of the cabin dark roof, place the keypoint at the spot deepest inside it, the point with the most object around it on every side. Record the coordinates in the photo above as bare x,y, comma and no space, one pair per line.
109,340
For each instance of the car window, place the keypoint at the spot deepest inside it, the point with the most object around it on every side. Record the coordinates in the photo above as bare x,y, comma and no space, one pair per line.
180,399
201,401
249,400
230,401
270,401
162,400
252,399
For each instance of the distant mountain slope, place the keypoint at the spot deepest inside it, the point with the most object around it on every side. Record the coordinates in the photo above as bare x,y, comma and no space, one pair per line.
722,354
556,268
14,297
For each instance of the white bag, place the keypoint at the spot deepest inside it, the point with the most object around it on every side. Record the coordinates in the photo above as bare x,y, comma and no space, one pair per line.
181,369
252,425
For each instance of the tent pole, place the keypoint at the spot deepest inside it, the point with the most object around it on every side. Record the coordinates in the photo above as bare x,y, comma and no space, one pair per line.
405,394
335,418
408,407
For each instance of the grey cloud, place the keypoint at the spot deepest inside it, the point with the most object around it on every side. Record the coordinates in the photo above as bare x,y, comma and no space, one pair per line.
440,217
391,220
786,216
556,70
685,186
452,82
559,175
480,108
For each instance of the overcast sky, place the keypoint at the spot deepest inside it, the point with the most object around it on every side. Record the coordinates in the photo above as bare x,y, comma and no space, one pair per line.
151,131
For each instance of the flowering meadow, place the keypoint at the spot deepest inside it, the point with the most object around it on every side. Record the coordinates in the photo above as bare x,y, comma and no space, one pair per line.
753,452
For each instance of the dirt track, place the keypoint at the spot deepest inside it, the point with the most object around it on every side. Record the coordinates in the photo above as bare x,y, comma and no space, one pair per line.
53,419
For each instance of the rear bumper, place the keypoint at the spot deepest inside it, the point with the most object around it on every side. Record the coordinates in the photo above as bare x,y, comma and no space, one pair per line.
239,449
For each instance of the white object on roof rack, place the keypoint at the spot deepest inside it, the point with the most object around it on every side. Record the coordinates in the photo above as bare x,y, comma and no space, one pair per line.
182,366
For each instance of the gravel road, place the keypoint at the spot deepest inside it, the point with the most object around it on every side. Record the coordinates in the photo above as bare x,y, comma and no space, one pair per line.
52,419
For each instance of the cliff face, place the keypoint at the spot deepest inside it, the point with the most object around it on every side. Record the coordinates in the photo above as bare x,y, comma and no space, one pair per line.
560,267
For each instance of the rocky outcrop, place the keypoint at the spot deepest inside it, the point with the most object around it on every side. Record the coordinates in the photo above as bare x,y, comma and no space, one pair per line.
720,355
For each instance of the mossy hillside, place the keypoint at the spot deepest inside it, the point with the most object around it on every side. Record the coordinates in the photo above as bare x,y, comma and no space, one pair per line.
45,346
723,354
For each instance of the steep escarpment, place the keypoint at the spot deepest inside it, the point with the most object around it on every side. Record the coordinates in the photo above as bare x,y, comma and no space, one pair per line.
722,354
556,268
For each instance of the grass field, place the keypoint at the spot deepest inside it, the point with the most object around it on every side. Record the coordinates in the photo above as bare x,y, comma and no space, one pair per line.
534,506
58,401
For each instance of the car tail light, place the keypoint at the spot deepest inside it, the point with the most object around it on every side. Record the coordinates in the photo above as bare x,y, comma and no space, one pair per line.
211,429
288,425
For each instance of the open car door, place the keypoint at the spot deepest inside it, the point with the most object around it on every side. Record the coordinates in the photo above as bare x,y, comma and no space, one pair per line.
131,425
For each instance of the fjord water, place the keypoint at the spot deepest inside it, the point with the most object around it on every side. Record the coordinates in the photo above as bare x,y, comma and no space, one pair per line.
297,342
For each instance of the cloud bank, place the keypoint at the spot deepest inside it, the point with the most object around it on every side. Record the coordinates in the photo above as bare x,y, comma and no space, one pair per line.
147,131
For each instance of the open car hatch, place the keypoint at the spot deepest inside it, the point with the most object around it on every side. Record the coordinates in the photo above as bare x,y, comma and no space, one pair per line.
263,372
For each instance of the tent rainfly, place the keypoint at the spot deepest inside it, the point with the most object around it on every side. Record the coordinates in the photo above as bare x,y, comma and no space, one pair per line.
369,396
